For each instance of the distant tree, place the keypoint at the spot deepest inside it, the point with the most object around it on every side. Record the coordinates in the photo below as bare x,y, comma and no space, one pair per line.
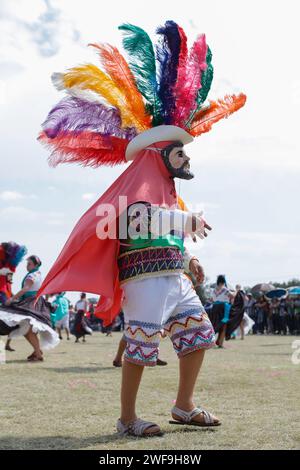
286,285
247,289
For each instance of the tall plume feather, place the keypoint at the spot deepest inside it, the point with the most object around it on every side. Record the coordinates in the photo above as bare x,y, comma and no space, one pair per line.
139,47
216,110
12,254
90,77
206,81
167,53
86,148
195,66
182,61
74,114
117,68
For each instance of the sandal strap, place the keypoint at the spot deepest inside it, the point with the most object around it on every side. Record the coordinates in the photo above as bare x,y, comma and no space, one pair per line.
135,428
187,416
184,415
208,418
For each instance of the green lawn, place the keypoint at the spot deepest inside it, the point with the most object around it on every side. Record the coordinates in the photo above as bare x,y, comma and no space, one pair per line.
71,401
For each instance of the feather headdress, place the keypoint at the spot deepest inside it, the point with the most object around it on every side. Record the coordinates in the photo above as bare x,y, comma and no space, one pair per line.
159,84
11,254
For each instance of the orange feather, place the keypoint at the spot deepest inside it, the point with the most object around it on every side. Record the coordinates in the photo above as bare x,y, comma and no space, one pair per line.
216,110
90,77
118,69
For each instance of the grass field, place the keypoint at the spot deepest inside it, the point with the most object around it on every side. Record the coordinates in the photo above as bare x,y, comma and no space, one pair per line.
71,401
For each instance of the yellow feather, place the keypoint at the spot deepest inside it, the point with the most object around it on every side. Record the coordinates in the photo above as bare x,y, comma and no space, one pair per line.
118,69
90,77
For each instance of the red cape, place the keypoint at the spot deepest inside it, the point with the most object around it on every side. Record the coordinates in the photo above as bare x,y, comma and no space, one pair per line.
89,264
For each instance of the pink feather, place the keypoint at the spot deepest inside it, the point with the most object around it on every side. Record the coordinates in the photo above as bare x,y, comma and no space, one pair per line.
190,78
183,56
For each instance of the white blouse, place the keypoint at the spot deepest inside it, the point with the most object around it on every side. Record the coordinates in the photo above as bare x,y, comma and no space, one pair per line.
36,278
221,295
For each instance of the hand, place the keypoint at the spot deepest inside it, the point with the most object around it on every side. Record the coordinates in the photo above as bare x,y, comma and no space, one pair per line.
197,270
200,226
8,302
206,226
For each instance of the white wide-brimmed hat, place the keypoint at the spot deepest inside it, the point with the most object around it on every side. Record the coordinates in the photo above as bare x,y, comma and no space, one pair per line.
156,134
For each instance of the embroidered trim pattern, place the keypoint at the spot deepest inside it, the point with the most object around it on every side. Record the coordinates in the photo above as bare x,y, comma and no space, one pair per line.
150,262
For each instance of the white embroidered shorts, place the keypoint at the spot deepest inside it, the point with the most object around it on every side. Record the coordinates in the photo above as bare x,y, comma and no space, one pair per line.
167,303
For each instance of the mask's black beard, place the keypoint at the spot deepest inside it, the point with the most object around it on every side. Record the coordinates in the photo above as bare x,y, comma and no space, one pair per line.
184,171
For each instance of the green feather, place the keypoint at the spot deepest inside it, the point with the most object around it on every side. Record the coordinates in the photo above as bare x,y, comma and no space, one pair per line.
140,49
206,81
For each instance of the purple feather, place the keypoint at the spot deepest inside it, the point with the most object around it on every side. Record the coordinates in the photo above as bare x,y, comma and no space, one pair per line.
14,253
167,53
76,114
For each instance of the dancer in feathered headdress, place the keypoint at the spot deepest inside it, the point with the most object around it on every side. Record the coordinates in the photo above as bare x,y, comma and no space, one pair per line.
144,110
18,314
11,254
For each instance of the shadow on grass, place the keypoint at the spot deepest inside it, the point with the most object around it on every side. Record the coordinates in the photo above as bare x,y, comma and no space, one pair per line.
54,442
191,429
71,369
21,361
273,354
78,370
74,443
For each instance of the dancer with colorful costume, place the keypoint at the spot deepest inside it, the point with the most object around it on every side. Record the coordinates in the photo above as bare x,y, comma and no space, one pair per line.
24,315
11,254
227,311
143,111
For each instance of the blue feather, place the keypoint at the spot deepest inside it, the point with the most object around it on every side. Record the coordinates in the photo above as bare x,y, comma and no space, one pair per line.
14,253
167,54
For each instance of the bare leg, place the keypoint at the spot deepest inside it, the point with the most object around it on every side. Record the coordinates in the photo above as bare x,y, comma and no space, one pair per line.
8,346
189,368
117,362
68,333
221,336
242,329
131,379
32,338
59,333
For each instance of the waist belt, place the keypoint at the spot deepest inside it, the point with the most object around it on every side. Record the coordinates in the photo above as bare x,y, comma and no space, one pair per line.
149,262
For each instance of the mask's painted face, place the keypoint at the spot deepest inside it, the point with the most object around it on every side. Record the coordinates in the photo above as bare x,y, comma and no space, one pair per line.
176,161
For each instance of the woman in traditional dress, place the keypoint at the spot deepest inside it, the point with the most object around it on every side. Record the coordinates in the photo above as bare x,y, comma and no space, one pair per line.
80,327
238,322
22,315
220,312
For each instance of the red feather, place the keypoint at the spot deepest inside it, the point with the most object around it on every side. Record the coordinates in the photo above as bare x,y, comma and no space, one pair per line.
190,80
86,148
216,110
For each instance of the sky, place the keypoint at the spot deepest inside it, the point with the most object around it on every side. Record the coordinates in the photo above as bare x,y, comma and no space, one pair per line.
246,169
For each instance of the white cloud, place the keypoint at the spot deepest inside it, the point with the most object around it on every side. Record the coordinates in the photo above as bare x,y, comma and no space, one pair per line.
88,196
8,196
18,213
11,196
27,34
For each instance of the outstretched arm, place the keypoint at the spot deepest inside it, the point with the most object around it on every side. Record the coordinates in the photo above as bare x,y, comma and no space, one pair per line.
26,288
